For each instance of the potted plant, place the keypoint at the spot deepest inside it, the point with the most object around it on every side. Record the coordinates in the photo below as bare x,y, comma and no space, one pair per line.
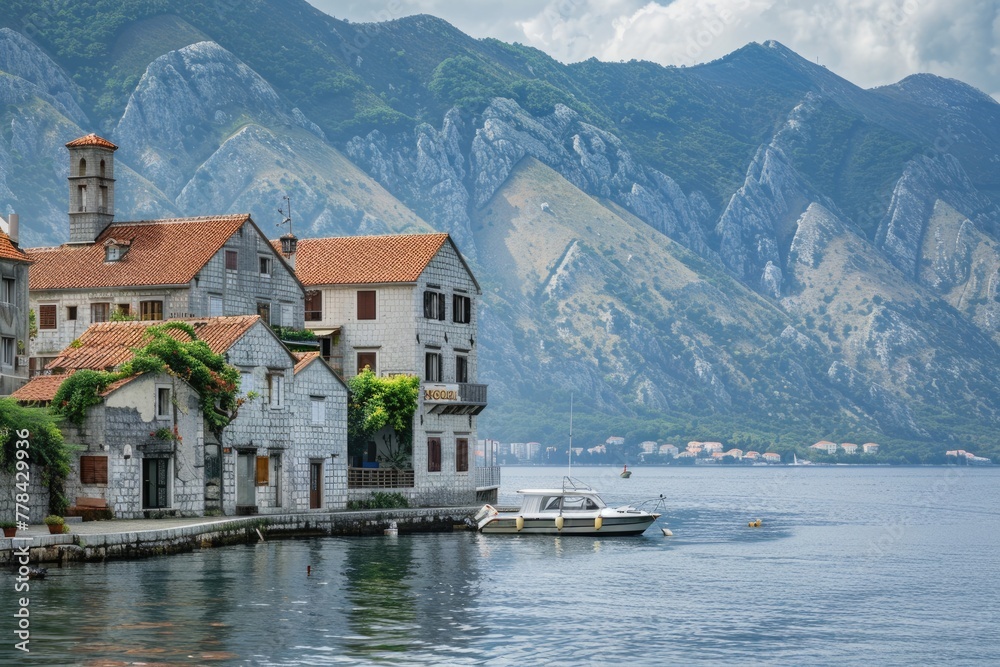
57,525
9,528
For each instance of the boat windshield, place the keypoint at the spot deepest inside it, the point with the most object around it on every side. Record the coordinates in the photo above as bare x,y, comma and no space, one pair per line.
579,504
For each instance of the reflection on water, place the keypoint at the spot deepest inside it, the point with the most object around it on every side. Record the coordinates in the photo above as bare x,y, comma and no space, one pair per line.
789,592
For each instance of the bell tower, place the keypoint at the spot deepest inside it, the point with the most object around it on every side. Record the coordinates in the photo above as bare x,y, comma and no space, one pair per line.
91,187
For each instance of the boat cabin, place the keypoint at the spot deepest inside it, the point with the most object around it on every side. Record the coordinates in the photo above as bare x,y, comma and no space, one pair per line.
555,500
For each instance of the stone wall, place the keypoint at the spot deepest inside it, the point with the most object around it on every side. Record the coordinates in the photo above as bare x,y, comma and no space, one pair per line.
128,417
242,290
326,441
37,495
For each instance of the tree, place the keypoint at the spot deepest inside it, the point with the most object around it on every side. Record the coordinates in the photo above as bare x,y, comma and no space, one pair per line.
45,448
379,402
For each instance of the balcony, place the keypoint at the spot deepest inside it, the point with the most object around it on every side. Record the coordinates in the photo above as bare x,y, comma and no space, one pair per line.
462,398
379,478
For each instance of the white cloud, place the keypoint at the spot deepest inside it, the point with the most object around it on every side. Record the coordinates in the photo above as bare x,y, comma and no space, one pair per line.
869,42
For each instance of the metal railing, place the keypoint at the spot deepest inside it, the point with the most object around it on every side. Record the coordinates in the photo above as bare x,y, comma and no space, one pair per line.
487,476
472,393
379,478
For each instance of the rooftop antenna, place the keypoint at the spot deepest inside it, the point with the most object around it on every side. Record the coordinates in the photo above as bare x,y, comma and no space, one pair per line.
286,214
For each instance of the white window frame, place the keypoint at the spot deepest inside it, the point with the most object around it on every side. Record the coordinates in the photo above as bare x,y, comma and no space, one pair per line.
318,404
163,406
9,294
9,350
265,262
276,391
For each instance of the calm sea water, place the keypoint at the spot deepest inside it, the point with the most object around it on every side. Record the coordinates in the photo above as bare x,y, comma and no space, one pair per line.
885,566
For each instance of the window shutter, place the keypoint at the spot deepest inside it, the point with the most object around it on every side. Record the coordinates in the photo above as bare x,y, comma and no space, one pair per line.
93,470
433,454
440,314
47,317
428,310
263,464
462,454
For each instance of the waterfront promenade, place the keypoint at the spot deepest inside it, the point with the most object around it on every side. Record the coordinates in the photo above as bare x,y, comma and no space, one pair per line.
139,538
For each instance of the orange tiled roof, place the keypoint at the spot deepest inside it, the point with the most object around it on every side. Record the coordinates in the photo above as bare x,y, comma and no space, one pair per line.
163,252
9,251
354,260
91,140
40,389
303,359
110,344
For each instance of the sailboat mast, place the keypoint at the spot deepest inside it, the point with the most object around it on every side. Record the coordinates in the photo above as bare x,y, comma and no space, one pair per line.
570,472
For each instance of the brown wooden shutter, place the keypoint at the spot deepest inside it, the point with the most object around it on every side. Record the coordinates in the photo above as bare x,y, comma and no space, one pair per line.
433,454
93,469
366,304
462,454
262,470
47,317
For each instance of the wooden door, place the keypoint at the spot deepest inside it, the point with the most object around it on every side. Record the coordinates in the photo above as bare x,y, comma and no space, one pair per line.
315,485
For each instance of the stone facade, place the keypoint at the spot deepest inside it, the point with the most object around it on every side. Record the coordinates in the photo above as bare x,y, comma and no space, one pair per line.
130,416
214,291
400,338
276,424
320,435
13,325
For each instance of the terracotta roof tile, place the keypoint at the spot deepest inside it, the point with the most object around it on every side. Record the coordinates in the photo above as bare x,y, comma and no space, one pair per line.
162,252
91,140
356,260
9,251
303,359
40,389
109,344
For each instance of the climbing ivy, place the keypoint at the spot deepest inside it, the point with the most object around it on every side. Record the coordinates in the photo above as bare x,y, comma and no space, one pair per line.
46,450
216,382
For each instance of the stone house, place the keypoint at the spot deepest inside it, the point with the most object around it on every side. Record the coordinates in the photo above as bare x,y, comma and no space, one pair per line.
403,304
278,455
152,269
13,308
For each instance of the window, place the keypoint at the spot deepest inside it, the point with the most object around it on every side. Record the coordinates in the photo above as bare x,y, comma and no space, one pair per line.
314,306
366,304
124,309
71,313
461,368
214,306
149,310
366,360
100,312
433,454
112,253
318,409
232,260
461,309
163,403
7,346
433,305
432,367
47,317
265,266
264,310
9,292
83,167
462,454
93,469
246,382
276,388
82,191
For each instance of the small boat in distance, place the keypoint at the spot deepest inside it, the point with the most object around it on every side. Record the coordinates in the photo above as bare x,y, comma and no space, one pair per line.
626,473
575,509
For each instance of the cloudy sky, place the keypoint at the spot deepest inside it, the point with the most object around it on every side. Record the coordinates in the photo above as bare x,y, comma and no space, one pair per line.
869,42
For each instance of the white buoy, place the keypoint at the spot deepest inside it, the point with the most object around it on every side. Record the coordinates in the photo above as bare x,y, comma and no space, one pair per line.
667,532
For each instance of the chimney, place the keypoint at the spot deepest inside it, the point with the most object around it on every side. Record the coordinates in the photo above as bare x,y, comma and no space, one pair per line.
12,228
288,245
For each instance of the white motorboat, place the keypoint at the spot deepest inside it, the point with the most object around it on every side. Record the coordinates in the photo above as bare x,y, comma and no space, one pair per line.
575,509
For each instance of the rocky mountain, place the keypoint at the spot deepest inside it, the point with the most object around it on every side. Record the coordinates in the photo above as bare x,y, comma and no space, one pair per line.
753,250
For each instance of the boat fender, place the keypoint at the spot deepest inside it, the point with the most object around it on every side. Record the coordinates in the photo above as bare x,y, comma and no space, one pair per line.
598,522
667,532
519,522
559,522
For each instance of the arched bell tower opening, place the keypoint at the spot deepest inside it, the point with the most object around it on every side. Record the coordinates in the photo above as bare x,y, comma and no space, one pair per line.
91,187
